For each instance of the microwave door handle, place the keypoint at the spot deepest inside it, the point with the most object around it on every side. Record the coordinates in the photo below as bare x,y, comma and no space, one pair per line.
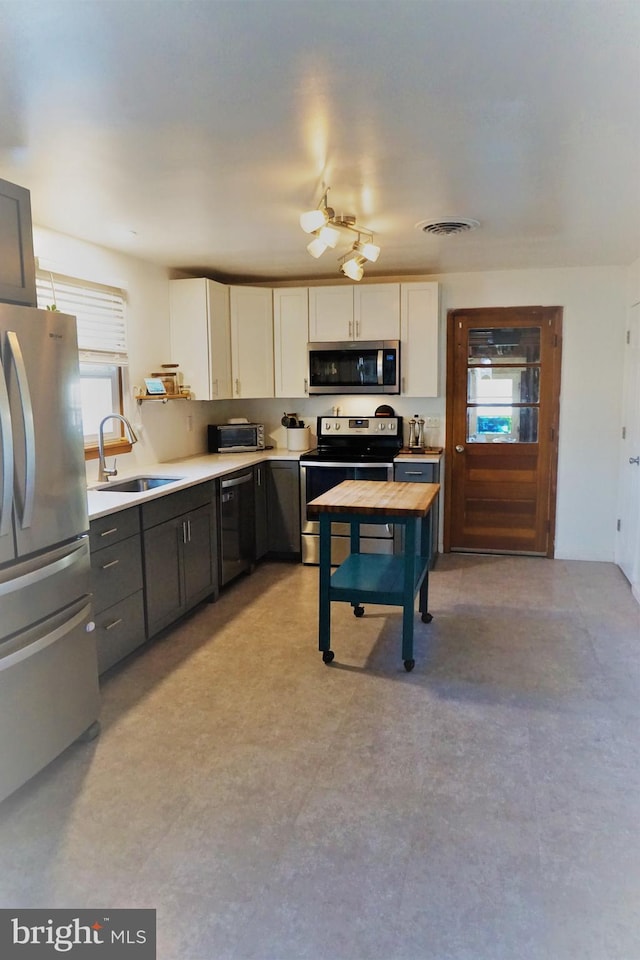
7,457
29,431
380,368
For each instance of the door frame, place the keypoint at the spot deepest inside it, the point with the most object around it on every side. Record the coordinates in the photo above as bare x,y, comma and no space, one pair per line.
555,315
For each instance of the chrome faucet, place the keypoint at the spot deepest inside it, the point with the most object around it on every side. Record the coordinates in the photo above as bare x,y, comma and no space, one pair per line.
103,471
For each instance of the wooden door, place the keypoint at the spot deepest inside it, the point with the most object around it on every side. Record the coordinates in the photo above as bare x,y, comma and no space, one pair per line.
503,387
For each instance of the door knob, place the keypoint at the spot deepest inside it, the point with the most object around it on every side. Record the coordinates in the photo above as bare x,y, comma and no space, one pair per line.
635,460
459,448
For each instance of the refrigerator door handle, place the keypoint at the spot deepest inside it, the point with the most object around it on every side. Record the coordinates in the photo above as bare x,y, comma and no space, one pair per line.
35,571
46,633
29,430
7,457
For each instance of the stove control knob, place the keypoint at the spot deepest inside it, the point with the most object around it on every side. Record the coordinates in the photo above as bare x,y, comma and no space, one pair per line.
337,426
381,426
327,425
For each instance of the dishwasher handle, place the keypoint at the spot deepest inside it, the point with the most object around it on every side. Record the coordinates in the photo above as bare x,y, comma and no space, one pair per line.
236,481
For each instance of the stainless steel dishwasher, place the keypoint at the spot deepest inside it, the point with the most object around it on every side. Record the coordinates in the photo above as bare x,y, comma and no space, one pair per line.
236,525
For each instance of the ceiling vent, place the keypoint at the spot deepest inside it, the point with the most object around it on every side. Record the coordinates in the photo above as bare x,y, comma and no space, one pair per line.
448,226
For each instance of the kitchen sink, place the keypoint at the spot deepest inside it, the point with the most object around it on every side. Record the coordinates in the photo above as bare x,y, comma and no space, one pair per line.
137,484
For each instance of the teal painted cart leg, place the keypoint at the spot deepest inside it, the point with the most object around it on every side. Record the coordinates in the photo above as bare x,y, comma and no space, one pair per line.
408,594
354,546
425,551
324,639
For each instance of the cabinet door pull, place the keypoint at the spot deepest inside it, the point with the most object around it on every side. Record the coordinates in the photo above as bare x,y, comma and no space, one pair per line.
114,623
188,531
413,473
112,563
237,387
184,531
107,533
350,329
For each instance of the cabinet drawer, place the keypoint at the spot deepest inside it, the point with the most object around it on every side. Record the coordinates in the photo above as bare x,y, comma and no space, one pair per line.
117,526
416,472
116,572
175,504
119,630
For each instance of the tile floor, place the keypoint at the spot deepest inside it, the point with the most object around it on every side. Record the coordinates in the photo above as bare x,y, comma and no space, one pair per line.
484,807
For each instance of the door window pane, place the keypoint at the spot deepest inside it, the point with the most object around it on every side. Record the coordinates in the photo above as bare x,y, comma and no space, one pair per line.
502,424
503,385
504,345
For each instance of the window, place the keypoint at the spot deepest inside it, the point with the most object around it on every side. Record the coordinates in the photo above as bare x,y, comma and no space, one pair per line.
102,346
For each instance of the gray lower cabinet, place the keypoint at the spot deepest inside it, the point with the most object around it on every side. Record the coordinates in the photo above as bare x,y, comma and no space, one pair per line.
419,473
180,554
260,474
116,577
283,508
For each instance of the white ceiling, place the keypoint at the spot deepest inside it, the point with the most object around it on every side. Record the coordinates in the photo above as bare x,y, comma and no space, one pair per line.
193,134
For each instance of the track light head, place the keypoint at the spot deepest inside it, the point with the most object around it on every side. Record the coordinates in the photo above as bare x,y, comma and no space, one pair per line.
317,247
353,268
313,220
368,250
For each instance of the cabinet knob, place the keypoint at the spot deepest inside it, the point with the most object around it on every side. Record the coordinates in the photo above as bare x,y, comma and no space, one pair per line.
635,460
459,448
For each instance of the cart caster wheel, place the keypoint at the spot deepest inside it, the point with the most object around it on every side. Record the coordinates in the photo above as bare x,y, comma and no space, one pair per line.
327,656
427,617
409,665
358,611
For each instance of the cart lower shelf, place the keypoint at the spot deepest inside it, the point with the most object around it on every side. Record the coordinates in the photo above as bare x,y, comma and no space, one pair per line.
376,578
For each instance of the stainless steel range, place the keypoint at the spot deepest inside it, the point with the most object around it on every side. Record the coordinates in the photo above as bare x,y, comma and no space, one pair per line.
349,448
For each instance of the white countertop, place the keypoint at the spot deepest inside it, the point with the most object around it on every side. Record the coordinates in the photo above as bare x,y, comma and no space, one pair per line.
191,470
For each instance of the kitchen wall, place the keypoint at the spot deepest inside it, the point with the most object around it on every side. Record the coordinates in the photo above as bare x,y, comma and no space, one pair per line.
163,429
594,302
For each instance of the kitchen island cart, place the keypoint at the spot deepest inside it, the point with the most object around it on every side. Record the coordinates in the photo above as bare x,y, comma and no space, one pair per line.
376,577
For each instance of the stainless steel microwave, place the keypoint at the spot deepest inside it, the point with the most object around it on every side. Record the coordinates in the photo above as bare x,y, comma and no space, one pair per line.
235,437
359,366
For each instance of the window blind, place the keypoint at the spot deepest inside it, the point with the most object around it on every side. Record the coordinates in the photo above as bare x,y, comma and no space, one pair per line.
99,311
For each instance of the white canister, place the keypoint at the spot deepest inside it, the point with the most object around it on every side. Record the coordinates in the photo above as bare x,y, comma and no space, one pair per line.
298,438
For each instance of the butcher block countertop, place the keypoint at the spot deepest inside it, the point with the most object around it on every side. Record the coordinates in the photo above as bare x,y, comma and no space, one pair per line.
387,498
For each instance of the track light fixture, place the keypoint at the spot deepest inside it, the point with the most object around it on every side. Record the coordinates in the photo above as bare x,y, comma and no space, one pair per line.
326,226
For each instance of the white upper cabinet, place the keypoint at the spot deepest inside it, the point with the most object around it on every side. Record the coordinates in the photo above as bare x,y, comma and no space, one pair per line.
355,313
419,347
376,311
252,341
331,313
291,333
201,336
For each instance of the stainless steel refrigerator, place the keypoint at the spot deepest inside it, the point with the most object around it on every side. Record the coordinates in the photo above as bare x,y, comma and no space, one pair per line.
48,666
